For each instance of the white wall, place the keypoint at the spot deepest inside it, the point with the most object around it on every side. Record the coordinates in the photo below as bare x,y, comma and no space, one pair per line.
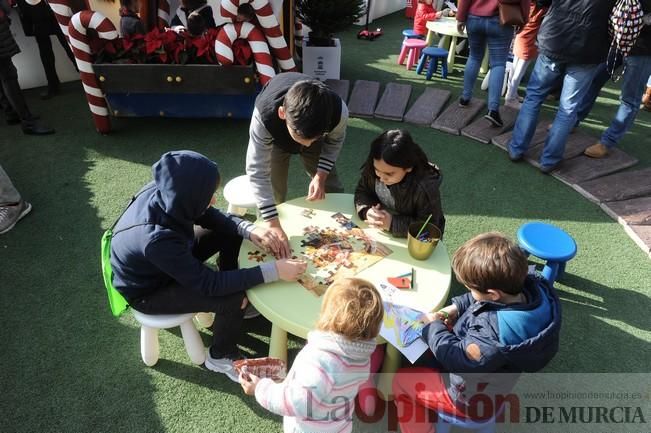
380,8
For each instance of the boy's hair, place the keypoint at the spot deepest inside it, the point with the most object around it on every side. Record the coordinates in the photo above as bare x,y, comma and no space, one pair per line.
352,307
246,10
308,108
490,261
196,24
127,4
398,149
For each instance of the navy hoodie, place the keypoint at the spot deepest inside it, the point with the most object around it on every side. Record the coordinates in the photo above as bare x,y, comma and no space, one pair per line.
153,239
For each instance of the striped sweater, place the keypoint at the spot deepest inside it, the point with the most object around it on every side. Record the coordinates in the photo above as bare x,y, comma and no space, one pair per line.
319,392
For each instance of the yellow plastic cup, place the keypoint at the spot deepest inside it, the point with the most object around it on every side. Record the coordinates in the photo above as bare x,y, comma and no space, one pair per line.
421,250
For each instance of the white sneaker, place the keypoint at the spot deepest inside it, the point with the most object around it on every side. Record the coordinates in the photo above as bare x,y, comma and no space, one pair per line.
222,365
10,215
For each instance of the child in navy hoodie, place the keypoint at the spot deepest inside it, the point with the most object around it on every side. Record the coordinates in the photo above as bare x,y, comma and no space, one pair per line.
509,322
161,241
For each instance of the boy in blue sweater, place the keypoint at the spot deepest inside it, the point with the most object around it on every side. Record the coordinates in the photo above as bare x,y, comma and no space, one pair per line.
509,322
161,241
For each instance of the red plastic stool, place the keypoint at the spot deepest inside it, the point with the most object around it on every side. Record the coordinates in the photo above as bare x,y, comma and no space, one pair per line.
411,49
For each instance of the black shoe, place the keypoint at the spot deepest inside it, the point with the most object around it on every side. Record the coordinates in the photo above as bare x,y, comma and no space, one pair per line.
547,169
514,158
36,129
50,93
463,102
494,118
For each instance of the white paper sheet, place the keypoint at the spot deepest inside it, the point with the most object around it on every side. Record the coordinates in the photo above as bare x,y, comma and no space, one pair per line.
412,352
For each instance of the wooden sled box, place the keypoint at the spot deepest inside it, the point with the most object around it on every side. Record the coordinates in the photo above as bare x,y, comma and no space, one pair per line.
146,90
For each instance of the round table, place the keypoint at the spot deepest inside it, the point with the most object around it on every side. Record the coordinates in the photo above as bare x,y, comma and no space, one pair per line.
292,308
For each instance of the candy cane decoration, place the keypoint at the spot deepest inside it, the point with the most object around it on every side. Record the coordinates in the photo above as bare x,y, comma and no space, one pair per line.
224,47
77,31
163,14
62,12
270,26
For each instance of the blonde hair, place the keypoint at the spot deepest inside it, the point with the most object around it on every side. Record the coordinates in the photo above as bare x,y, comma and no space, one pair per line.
351,307
490,261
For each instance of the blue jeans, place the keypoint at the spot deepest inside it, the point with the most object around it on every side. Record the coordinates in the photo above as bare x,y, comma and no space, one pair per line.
634,81
576,80
482,31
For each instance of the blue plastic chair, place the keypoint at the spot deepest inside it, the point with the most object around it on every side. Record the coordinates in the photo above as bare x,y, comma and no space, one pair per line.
433,55
446,421
549,243
410,34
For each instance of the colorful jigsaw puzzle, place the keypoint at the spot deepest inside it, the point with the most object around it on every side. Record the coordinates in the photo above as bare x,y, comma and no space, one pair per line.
333,253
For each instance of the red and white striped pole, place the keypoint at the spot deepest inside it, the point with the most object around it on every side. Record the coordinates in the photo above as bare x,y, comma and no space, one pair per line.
163,14
270,27
77,33
261,56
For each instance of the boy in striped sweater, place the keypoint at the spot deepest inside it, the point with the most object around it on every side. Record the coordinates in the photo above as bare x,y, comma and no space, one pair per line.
319,392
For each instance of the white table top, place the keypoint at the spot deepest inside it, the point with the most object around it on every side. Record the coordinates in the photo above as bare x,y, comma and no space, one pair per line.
445,26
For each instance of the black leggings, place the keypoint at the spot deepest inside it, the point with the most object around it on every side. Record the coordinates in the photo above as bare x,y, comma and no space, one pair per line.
175,299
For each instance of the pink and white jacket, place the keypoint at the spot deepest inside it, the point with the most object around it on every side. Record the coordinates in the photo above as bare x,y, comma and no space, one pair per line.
319,392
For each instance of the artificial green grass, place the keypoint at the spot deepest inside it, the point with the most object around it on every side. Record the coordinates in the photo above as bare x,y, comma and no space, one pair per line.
69,366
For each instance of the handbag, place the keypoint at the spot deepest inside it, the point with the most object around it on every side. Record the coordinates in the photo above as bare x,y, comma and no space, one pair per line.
511,13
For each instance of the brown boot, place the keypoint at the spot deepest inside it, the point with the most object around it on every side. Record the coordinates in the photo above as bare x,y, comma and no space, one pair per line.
646,99
597,150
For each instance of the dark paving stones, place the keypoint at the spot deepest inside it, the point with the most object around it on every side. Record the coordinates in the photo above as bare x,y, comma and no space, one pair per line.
428,106
340,87
393,102
634,211
539,136
363,98
582,168
575,145
616,187
454,118
483,131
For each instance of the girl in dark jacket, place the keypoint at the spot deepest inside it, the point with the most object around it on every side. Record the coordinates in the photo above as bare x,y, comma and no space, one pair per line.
398,185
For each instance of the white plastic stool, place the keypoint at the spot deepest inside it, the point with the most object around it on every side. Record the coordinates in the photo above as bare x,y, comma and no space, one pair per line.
239,195
151,323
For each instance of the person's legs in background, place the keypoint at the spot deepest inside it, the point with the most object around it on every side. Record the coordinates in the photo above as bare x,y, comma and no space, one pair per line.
499,40
601,77
13,94
12,206
48,61
519,68
637,70
576,82
544,76
476,29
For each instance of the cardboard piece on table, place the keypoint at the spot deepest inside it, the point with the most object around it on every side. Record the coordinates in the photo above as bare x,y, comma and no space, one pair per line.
539,136
484,131
363,98
641,235
455,117
340,87
575,145
634,211
427,106
393,102
582,168
616,187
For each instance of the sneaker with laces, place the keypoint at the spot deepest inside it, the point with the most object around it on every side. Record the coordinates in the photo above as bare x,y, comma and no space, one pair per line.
10,215
493,116
223,365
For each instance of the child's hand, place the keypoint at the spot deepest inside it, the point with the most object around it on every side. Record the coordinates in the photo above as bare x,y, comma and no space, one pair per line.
289,269
378,218
267,239
427,318
249,382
